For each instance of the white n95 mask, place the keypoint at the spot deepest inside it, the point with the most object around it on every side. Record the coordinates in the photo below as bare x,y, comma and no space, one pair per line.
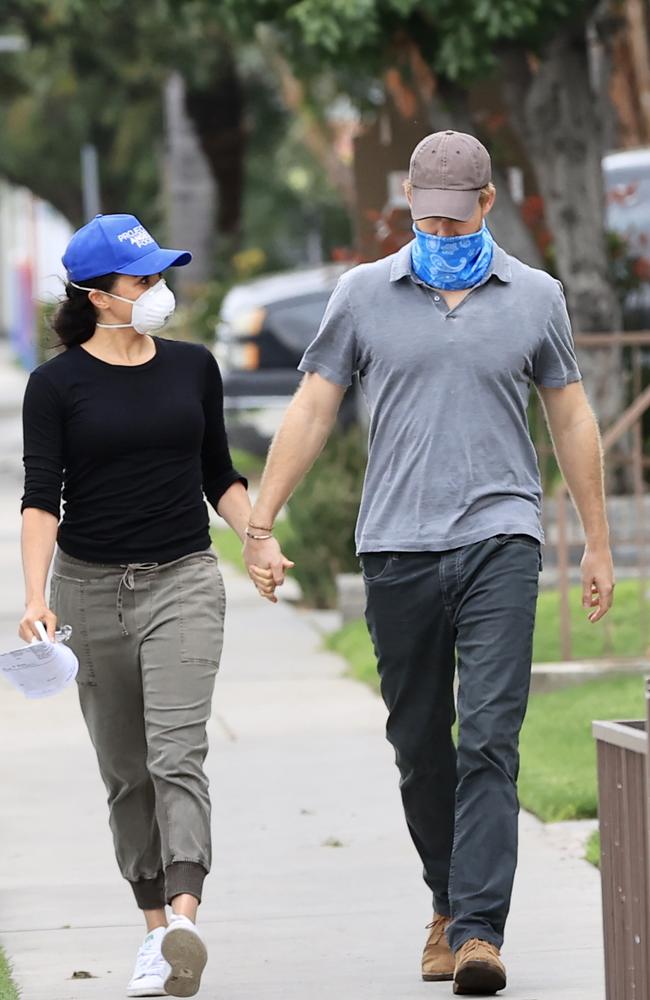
149,312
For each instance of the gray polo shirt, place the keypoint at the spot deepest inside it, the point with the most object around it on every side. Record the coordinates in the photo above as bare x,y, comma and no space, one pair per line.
450,458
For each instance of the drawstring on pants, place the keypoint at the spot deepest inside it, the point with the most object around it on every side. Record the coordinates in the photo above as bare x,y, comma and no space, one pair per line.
128,580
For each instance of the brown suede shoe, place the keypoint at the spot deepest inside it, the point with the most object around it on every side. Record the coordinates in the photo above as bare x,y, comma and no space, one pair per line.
437,957
479,970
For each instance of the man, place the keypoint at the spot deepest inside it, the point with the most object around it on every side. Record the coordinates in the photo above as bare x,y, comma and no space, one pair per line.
447,335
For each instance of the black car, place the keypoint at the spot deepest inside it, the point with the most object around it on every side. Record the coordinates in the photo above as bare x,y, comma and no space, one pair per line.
264,327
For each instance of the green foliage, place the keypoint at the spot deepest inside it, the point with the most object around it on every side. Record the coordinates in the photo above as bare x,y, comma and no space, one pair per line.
459,38
353,643
46,338
95,73
8,989
623,265
592,852
322,514
194,318
248,464
85,78
288,192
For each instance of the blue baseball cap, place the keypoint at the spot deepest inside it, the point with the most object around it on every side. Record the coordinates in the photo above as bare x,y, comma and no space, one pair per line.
117,244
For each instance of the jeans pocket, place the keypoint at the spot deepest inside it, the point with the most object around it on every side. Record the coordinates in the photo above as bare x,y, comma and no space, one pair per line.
522,539
375,565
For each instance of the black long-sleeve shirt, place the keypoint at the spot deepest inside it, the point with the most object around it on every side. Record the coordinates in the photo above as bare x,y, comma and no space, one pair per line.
130,449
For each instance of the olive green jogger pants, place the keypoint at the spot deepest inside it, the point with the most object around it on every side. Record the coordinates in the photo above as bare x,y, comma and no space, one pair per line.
149,638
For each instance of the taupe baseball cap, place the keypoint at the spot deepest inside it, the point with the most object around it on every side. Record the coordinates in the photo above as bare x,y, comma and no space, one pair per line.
447,172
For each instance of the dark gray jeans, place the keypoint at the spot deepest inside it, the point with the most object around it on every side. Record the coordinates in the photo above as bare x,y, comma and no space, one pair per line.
148,638
428,613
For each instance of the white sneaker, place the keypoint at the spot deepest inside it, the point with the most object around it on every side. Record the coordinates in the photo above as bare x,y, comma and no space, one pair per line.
183,947
151,969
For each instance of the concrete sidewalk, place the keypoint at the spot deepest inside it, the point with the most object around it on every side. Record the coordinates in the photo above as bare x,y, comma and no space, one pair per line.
315,889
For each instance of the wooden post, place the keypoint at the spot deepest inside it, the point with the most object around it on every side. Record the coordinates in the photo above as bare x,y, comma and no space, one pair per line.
563,574
637,32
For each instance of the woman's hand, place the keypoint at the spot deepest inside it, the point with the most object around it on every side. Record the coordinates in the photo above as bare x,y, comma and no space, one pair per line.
266,565
37,611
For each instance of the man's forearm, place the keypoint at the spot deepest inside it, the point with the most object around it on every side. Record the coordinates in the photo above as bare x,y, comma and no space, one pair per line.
295,448
579,453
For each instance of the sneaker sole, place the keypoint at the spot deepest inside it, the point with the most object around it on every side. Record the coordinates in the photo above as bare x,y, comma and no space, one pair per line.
187,956
439,977
147,992
478,979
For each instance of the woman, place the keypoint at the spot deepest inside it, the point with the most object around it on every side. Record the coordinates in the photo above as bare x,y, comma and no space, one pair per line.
129,429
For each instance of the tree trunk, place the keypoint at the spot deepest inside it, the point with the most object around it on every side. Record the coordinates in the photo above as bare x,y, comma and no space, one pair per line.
190,190
553,108
217,111
556,113
447,106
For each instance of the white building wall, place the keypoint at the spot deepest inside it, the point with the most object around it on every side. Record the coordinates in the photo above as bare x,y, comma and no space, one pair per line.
33,237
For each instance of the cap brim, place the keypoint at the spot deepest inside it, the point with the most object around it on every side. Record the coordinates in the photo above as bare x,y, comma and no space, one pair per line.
156,261
443,203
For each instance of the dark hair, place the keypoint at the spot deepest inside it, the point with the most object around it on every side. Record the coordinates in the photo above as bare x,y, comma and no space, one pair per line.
75,319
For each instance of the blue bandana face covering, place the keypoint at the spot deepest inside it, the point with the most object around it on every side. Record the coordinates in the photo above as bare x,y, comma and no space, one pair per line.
452,262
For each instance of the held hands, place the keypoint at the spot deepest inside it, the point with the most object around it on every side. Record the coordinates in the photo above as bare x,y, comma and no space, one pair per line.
597,571
266,565
37,611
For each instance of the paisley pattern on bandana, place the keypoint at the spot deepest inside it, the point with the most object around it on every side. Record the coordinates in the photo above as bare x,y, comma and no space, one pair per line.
452,262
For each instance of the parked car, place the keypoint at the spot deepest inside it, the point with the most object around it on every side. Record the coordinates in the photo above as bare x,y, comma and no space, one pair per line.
264,327
627,184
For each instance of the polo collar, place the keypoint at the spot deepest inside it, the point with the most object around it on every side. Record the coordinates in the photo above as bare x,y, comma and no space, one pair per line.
401,264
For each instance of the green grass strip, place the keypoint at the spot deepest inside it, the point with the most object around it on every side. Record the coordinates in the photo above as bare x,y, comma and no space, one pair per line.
558,778
619,634
592,852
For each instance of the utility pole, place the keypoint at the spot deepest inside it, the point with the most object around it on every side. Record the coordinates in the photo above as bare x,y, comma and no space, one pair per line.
190,190
13,43
90,181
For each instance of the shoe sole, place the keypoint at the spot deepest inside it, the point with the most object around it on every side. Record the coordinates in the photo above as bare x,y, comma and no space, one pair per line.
187,956
478,979
439,977
147,993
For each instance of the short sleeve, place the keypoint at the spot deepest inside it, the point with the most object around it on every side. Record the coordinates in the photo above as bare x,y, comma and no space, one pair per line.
43,433
555,364
333,353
